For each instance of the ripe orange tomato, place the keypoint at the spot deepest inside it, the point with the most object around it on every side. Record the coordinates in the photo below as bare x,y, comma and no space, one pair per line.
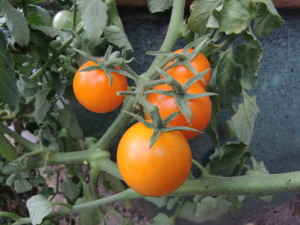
154,171
200,107
93,91
200,63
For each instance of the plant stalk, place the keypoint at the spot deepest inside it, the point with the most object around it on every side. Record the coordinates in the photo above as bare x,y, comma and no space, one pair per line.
248,185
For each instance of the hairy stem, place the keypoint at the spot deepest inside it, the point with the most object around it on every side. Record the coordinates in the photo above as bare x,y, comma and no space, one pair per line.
250,185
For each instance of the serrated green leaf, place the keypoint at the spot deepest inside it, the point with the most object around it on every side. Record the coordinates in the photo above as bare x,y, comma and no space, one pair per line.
235,15
39,207
159,5
117,37
94,15
266,18
42,105
208,208
8,88
16,23
21,185
68,120
226,79
70,190
49,31
7,151
87,216
226,158
249,55
202,14
161,218
243,120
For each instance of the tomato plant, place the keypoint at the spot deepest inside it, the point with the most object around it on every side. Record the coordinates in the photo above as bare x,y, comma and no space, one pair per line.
64,20
94,91
200,107
200,63
39,63
154,171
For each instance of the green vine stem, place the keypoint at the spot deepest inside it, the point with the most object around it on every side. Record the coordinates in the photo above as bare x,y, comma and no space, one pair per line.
250,185
42,69
201,168
74,19
21,140
175,30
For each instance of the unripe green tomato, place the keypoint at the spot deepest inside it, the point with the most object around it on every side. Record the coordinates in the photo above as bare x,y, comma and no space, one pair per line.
63,20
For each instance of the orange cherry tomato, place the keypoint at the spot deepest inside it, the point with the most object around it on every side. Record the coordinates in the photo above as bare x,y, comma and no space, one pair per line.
200,107
154,171
93,90
200,63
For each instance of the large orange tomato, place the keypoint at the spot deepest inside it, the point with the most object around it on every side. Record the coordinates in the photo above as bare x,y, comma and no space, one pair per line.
200,63
154,171
93,90
200,108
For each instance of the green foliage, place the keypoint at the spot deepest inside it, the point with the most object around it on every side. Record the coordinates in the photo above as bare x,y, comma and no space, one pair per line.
16,23
226,158
87,216
8,87
205,208
42,105
116,36
226,78
161,218
39,207
235,16
159,5
242,122
7,151
266,18
201,17
249,55
93,15
70,190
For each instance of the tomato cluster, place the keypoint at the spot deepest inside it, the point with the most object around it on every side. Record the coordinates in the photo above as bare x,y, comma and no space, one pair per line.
164,167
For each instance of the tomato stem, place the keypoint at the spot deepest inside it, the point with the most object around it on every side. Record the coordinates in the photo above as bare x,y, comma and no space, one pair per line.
21,140
174,33
74,17
249,185
201,168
